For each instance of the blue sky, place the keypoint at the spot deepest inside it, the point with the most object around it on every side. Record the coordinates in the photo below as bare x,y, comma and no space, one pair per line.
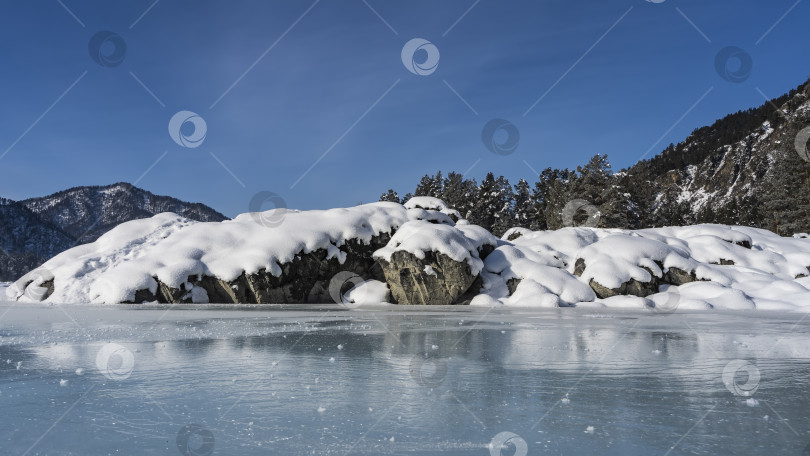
617,77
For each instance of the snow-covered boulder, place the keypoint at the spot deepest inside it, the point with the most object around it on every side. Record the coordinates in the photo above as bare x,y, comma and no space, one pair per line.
518,276
423,253
623,264
270,257
434,264
429,203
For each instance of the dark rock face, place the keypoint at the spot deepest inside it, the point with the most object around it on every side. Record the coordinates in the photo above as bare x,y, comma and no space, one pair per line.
724,262
305,280
579,267
443,283
514,236
512,285
633,287
676,276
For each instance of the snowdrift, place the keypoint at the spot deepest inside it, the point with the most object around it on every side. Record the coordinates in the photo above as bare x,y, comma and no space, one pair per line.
424,253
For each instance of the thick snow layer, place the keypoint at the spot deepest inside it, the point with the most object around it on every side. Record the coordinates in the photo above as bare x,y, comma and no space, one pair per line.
431,203
767,276
460,243
173,248
616,259
740,268
542,282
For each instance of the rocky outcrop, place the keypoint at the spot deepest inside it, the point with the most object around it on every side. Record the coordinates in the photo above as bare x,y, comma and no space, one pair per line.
435,279
385,252
426,263
304,280
633,287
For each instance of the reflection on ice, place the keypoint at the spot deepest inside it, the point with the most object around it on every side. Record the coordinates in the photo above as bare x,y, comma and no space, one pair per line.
256,381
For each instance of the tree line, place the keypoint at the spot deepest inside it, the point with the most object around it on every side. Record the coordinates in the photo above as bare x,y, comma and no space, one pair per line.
648,194
635,198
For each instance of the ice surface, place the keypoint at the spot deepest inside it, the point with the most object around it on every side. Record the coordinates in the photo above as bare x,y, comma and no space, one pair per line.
258,380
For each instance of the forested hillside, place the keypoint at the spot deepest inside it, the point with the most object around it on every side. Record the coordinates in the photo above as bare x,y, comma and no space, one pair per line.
749,168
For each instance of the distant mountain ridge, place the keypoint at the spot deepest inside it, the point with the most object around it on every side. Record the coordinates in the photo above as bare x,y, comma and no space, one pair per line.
36,229
88,212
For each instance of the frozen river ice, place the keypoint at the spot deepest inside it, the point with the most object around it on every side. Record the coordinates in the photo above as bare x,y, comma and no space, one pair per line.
245,380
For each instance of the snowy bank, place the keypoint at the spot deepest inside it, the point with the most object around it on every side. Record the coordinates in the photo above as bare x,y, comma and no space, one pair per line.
424,253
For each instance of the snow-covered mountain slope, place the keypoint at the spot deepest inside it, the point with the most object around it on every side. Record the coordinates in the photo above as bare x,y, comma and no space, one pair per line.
271,256
34,230
730,165
88,212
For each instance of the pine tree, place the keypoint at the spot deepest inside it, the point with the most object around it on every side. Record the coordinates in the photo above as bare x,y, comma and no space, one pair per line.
525,211
639,193
430,185
492,208
504,206
455,193
552,193
391,196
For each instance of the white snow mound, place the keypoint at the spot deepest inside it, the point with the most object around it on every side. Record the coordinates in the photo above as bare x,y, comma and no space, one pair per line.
737,268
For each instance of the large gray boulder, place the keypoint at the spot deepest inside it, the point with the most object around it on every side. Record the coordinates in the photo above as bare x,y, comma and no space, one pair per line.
427,263
435,279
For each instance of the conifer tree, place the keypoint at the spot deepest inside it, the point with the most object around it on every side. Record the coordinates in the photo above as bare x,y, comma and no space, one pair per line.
391,196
